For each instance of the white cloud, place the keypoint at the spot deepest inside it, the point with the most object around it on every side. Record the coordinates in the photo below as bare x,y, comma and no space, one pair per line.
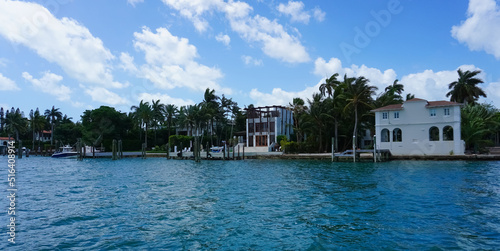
377,77
134,2
103,95
127,63
164,99
248,60
223,38
194,9
432,85
49,83
318,14
7,84
62,41
480,30
276,42
493,93
273,38
279,96
295,10
170,62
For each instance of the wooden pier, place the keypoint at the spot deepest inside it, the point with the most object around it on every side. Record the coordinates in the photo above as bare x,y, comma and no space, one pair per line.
363,155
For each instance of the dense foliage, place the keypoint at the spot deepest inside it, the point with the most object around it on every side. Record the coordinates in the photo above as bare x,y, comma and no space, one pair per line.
340,110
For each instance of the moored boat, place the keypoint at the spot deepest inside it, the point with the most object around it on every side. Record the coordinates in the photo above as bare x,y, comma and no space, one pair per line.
65,152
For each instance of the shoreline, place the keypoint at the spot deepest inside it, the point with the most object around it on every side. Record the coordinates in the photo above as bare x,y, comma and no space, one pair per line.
300,156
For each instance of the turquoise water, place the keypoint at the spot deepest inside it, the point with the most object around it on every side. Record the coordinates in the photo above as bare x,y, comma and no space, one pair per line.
252,205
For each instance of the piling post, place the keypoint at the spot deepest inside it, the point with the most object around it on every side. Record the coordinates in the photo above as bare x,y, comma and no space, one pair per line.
238,151
20,149
113,147
333,148
243,156
181,150
233,151
207,149
224,152
168,150
375,148
354,148
144,150
84,147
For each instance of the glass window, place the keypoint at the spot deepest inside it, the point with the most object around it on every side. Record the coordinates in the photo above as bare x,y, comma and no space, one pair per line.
433,112
384,115
446,111
396,115
434,134
384,135
448,133
397,135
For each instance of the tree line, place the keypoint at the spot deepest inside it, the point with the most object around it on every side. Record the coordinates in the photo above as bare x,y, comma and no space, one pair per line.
341,109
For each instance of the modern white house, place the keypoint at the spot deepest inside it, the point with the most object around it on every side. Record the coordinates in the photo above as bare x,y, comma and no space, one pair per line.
265,124
420,127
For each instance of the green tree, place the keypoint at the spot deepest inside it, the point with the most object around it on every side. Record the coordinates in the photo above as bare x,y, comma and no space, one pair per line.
316,118
298,108
103,123
334,88
465,89
479,122
358,94
158,111
15,123
171,113
53,116
143,115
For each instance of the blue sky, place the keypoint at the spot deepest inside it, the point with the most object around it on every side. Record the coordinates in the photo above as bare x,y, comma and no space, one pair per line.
79,55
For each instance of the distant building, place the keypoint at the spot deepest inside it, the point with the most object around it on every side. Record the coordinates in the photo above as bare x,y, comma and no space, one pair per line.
43,136
265,124
420,127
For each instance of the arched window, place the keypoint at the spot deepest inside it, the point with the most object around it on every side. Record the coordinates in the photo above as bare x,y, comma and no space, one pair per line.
397,135
384,136
434,134
448,133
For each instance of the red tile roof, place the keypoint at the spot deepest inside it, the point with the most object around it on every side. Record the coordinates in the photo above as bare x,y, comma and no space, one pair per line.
389,108
441,103
429,104
6,138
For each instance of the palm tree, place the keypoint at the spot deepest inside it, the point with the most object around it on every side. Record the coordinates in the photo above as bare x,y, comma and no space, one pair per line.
409,96
53,116
210,106
395,88
143,115
316,118
15,123
465,89
478,123
171,113
334,88
157,110
38,123
298,109
358,94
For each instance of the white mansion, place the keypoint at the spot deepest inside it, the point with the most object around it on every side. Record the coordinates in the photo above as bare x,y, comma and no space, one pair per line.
420,127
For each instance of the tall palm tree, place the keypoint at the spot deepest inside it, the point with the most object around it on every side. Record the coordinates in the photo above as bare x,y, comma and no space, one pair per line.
38,122
53,116
210,106
465,89
358,94
171,113
316,118
15,123
298,108
143,115
334,88
157,110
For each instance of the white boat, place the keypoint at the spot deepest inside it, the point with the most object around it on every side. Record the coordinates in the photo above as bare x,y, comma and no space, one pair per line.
216,149
65,152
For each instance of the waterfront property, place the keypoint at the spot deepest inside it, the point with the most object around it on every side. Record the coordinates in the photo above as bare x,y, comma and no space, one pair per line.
420,127
264,124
